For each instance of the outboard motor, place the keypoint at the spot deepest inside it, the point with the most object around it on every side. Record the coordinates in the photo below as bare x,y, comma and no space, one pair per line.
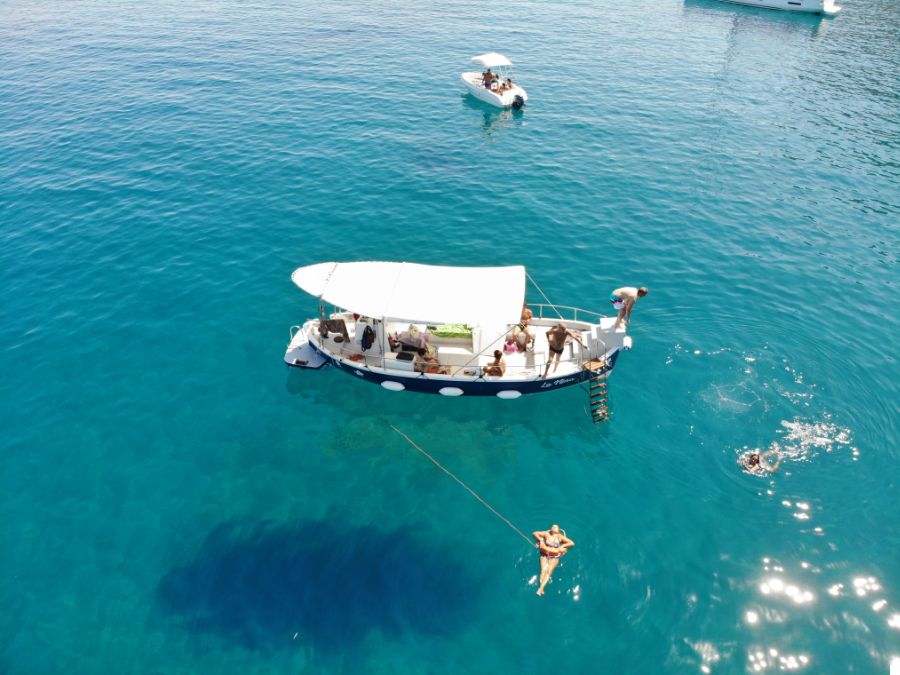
518,102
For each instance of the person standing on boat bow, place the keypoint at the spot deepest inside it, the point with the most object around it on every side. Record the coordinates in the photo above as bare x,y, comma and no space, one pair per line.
553,544
623,299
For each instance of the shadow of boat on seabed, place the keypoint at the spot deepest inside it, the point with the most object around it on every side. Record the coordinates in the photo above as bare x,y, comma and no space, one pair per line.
259,585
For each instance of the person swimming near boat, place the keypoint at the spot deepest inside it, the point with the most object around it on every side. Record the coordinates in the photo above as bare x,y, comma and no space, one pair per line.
759,463
556,340
553,545
520,332
498,367
623,299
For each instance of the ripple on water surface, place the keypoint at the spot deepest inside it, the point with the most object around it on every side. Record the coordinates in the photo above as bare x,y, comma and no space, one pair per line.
175,501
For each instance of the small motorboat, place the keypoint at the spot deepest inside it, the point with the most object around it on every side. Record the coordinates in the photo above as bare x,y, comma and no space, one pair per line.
826,7
494,85
435,329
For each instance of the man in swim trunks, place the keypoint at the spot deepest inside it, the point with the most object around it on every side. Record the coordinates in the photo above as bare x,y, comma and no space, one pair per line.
556,339
553,544
623,299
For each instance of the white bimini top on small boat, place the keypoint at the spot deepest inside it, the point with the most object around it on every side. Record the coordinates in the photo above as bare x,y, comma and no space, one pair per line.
492,60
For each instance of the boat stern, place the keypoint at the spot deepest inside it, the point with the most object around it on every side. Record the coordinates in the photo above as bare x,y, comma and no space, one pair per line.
300,353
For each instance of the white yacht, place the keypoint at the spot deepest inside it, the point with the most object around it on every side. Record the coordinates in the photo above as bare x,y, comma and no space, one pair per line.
826,7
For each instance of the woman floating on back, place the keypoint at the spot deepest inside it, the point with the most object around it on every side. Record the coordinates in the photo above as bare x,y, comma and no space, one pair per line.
553,544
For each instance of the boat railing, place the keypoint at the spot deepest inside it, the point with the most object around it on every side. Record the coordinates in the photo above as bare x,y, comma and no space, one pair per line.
354,355
541,311
544,311
293,331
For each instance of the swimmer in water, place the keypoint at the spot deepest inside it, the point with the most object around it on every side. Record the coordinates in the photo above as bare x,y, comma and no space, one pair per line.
759,463
553,544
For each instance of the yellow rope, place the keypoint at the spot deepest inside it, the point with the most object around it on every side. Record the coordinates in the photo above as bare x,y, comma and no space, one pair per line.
473,493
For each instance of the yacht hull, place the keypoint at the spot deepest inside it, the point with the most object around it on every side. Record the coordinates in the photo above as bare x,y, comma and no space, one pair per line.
825,7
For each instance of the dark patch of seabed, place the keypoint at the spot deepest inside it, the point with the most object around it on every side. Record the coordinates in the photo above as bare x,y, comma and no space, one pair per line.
260,584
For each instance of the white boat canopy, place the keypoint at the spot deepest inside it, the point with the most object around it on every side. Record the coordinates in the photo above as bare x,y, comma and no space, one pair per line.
477,296
492,60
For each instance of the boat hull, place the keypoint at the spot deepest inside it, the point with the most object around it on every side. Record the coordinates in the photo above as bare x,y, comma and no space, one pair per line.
825,7
472,82
455,386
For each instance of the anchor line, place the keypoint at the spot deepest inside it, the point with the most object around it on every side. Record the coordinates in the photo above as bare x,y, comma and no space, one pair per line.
541,291
471,491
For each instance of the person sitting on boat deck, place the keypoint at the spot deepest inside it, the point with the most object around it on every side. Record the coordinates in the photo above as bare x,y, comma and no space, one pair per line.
426,363
507,85
498,367
412,339
759,463
552,544
623,299
556,339
488,78
521,333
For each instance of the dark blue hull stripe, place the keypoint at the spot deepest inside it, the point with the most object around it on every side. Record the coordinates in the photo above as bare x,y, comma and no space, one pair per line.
427,385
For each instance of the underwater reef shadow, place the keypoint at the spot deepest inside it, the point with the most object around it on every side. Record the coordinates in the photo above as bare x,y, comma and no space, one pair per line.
262,586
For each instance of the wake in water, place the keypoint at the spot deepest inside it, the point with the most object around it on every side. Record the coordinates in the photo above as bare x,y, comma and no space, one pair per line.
764,385
802,441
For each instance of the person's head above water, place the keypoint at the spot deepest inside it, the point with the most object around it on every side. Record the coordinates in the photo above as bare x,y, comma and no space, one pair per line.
554,529
642,291
753,459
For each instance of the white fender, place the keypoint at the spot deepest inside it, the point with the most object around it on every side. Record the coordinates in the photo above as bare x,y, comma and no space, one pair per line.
390,385
626,342
509,394
450,391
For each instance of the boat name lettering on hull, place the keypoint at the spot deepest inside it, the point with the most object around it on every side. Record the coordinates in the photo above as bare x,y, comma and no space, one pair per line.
556,383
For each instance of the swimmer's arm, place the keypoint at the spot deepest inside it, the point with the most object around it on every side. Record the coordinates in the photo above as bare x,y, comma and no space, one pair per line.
770,466
539,535
566,544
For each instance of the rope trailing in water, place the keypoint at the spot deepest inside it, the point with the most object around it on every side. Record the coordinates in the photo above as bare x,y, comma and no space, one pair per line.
541,291
471,491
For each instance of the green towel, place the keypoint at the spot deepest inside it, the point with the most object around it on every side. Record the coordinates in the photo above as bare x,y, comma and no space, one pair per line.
451,330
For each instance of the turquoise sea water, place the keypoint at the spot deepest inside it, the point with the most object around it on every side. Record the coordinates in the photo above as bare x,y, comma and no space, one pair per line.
175,501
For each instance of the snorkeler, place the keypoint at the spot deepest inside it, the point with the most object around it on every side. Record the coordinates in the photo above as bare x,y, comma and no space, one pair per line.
553,544
759,463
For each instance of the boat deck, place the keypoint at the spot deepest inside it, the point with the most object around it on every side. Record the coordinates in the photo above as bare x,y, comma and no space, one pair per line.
465,357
